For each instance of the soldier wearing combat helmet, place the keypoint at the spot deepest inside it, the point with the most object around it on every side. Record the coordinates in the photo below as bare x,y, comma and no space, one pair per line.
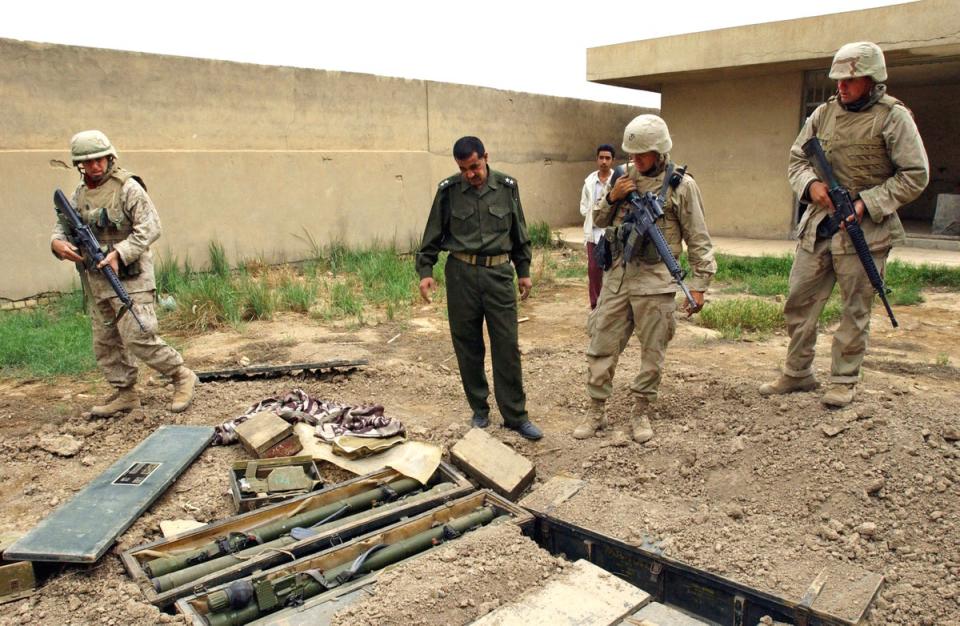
639,296
115,204
876,152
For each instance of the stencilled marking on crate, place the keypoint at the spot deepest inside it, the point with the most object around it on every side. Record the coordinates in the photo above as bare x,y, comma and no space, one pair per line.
136,473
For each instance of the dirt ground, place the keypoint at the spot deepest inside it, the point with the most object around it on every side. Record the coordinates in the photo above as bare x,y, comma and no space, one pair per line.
764,491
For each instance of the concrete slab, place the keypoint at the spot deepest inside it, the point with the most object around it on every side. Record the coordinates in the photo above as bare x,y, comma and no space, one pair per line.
492,464
552,494
585,594
946,219
656,614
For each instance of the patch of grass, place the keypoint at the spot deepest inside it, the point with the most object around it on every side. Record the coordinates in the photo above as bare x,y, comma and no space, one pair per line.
49,340
923,276
760,276
344,302
257,300
296,296
904,295
170,275
205,302
541,235
218,259
735,316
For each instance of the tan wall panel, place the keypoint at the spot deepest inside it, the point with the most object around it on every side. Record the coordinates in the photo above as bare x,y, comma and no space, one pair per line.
252,155
735,137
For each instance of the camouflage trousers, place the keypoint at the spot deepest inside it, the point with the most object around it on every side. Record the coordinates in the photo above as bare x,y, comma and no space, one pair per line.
618,315
116,344
812,278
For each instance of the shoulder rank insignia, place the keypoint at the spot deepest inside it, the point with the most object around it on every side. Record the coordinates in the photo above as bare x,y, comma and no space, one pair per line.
444,183
510,182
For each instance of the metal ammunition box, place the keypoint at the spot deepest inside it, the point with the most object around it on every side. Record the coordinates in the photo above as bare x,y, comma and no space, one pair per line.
243,502
317,610
136,559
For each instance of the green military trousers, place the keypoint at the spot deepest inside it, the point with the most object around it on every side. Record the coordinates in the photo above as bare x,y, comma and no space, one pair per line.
115,344
474,294
811,281
618,315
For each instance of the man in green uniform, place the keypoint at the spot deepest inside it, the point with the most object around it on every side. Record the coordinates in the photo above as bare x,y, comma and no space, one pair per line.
115,204
639,296
477,217
876,152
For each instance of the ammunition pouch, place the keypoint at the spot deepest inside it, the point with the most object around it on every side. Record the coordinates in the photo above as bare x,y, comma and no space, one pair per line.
602,254
648,252
124,270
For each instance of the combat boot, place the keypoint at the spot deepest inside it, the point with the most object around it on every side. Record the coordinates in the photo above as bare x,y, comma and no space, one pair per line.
124,399
640,428
595,422
840,394
788,384
184,381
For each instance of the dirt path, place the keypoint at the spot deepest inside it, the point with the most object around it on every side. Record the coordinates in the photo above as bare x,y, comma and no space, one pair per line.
748,487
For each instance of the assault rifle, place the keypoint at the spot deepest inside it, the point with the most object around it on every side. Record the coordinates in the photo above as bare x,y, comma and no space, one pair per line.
82,236
843,203
641,223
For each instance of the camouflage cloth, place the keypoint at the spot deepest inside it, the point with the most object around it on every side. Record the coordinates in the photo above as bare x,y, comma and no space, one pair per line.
331,419
877,153
123,218
640,297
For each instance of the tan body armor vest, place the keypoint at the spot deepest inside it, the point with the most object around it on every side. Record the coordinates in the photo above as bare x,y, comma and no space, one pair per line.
854,144
103,210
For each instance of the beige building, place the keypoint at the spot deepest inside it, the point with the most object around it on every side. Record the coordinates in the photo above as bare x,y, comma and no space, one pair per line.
736,98
262,158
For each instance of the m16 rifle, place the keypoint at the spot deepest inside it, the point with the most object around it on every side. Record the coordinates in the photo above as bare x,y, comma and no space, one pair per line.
82,236
843,203
640,224
246,600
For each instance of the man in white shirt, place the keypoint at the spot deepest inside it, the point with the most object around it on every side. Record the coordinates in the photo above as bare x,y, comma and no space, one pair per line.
594,188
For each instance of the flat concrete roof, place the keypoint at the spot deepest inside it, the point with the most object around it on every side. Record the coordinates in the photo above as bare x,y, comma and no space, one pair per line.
916,33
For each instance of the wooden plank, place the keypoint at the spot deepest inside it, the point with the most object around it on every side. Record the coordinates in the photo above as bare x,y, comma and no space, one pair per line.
279,370
656,614
84,528
492,464
585,594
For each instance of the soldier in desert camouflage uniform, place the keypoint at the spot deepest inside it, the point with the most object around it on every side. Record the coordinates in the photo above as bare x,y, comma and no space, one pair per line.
876,152
639,296
115,204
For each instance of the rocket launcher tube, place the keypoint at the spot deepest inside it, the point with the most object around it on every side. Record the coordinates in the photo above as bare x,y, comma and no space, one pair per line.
235,542
271,595
177,578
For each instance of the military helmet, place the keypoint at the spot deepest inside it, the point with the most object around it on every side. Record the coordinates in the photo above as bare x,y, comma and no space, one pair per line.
90,144
861,58
645,133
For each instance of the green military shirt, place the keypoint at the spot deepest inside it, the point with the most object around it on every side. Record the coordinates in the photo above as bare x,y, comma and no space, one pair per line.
488,221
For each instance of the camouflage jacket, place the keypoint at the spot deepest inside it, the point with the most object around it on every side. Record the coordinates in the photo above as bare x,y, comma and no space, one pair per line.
123,218
682,222
877,153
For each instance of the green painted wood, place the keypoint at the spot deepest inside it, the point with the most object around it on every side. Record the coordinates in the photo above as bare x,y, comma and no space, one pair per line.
84,528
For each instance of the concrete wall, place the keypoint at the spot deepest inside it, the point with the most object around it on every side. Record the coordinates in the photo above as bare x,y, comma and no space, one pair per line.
256,156
735,137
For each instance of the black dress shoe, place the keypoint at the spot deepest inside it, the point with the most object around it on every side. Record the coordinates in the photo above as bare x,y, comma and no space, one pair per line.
480,421
528,430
